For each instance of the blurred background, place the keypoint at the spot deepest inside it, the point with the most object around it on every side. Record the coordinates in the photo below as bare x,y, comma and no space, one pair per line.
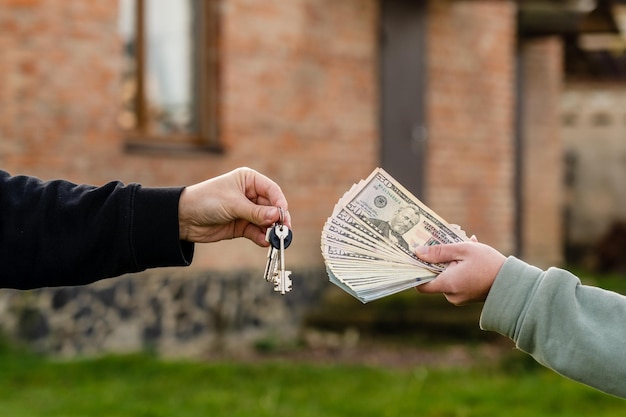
505,117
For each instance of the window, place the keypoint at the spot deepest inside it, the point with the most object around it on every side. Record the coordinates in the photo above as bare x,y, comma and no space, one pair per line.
169,84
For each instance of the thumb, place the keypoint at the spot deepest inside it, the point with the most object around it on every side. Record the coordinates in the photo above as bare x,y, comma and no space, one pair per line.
439,253
260,215
436,286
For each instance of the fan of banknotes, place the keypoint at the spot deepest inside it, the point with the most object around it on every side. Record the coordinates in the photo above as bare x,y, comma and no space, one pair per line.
369,241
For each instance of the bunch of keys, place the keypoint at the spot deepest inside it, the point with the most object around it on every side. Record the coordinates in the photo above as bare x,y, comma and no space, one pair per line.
279,236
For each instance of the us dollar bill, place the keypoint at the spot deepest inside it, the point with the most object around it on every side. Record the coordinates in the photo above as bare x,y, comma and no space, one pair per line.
369,242
399,218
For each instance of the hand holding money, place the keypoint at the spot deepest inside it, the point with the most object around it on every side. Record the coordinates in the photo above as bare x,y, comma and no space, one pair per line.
369,242
473,268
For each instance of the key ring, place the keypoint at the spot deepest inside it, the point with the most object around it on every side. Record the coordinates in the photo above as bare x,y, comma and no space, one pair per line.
282,215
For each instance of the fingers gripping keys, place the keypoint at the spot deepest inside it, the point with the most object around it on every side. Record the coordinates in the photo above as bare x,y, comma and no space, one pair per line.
279,236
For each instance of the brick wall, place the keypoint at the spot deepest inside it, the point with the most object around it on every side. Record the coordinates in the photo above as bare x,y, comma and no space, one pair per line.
58,88
298,103
470,114
542,151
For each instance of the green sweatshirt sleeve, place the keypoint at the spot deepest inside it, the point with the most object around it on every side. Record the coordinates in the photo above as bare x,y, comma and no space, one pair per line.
578,331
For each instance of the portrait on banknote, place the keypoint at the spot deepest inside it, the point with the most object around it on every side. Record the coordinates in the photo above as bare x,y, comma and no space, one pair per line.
369,241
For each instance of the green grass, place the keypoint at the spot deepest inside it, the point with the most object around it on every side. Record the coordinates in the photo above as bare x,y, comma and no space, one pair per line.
144,386
613,281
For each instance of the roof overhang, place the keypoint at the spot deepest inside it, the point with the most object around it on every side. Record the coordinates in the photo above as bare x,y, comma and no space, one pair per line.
567,17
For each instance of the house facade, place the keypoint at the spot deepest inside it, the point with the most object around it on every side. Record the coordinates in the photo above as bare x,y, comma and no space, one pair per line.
313,93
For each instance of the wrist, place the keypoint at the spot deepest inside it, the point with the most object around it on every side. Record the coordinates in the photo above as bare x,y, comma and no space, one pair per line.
183,224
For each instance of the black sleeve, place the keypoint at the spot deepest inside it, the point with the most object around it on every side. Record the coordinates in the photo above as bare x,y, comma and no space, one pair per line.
58,233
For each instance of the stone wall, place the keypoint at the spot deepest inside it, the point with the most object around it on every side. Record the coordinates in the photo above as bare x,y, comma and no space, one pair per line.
171,312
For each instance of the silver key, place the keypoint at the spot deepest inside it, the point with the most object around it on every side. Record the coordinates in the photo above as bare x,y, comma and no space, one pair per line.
283,280
272,258
271,266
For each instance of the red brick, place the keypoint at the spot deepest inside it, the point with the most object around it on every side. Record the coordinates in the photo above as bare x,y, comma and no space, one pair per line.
299,101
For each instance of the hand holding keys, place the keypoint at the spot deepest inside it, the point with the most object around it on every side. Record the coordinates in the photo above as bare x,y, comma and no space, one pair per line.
279,236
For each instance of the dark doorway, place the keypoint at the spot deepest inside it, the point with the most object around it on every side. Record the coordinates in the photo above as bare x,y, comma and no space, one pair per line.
402,72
